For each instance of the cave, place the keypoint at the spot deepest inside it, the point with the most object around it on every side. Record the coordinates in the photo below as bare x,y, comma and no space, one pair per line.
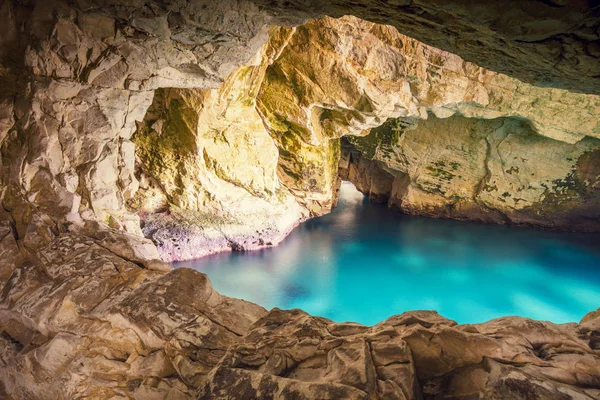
139,137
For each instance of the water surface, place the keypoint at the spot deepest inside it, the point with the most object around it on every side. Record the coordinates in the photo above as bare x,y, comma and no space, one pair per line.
364,263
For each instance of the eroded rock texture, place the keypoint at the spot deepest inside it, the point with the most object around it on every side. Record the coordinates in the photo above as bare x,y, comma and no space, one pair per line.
548,43
355,75
83,318
75,79
488,170
460,141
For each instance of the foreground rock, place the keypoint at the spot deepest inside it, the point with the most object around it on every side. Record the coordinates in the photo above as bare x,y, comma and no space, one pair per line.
78,320
289,354
89,315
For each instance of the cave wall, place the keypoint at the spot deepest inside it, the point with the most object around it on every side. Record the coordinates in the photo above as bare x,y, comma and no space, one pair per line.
282,119
76,78
345,76
495,170
460,141
208,172
86,308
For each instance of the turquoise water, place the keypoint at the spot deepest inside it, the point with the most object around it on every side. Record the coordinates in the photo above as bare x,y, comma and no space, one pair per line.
364,263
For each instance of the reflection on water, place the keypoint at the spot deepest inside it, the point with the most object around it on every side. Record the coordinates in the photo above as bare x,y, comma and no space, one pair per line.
365,263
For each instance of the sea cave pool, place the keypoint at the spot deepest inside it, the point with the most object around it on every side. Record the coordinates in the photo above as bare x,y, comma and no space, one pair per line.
364,263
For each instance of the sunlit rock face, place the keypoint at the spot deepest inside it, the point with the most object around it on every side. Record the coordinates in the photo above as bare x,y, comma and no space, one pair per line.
547,43
343,77
75,79
208,170
459,142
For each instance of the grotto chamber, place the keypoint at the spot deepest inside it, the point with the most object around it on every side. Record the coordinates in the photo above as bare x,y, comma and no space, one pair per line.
283,200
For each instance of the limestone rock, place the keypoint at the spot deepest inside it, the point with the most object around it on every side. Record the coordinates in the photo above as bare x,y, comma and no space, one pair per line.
103,326
216,166
79,318
546,43
289,354
87,310
487,170
76,78
355,75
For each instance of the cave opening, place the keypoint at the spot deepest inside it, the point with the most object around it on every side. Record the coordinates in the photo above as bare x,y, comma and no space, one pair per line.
444,139
411,126
138,134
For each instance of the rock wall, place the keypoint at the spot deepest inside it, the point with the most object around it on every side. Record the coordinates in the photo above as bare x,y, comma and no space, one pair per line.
208,157
487,170
355,75
549,43
75,79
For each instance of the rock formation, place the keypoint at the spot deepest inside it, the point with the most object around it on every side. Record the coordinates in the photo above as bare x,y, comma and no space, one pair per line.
460,142
361,74
495,170
216,125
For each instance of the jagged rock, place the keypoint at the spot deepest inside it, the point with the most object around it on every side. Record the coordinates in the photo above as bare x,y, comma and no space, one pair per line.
547,43
78,314
360,74
192,143
289,354
103,326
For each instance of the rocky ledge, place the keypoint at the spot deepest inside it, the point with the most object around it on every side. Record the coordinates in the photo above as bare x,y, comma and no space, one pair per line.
88,316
